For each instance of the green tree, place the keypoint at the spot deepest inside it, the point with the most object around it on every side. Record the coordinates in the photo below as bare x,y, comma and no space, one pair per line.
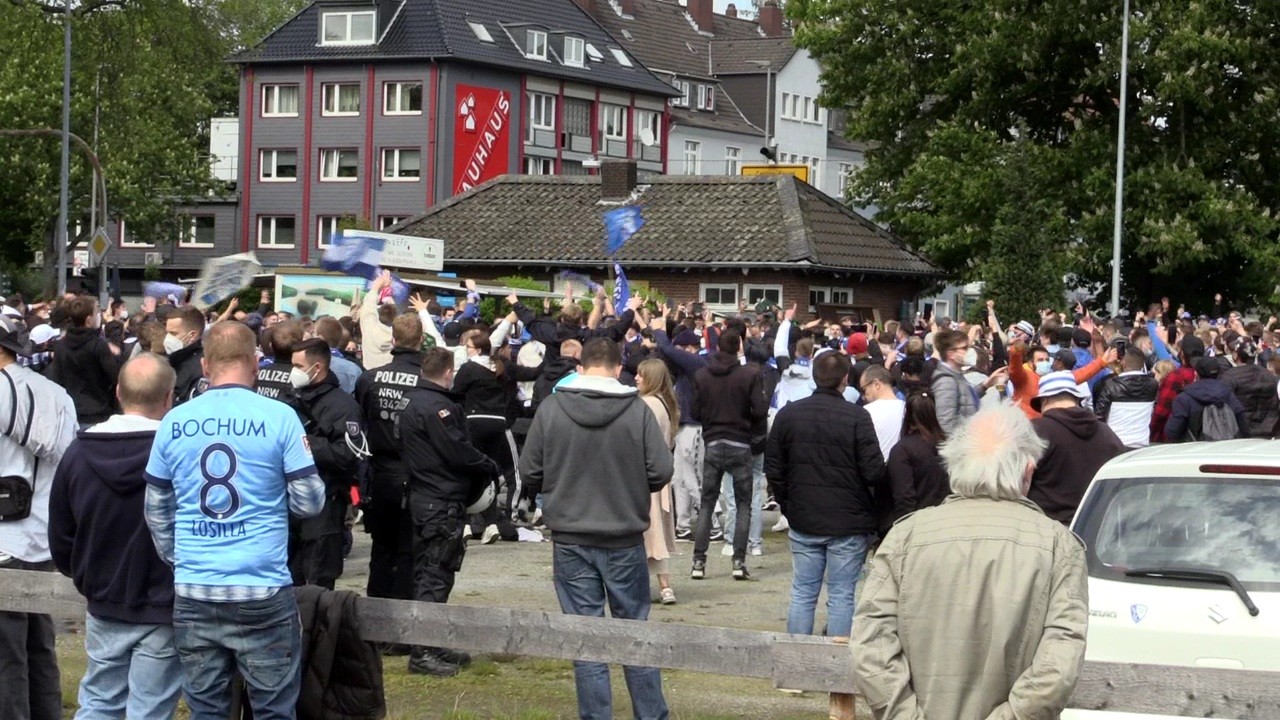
942,90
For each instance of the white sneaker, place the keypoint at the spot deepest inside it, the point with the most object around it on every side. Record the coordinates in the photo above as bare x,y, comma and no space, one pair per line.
466,532
757,551
727,550
782,525
490,535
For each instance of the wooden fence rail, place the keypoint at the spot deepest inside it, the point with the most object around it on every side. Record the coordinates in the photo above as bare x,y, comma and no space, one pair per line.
790,661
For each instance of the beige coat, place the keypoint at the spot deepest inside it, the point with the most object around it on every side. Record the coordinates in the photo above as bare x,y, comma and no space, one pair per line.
971,610
660,538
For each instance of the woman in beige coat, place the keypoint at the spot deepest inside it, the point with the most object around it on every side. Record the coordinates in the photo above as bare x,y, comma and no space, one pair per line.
653,380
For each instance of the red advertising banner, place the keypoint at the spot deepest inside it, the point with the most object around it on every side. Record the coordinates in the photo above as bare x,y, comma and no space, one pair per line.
481,131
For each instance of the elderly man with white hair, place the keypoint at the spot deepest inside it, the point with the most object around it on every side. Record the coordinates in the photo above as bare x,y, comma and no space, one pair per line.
976,608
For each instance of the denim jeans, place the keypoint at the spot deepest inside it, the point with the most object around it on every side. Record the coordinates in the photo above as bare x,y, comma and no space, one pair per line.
755,538
30,688
585,577
133,671
723,458
841,560
261,638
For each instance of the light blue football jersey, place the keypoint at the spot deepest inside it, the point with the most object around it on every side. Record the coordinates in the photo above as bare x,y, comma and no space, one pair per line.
228,455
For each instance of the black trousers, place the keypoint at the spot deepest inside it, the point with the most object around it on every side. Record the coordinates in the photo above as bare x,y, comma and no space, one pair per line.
489,435
315,544
30,689
390,525
438,546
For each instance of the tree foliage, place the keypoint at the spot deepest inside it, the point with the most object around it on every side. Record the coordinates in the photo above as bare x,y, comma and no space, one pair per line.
946,91
148,74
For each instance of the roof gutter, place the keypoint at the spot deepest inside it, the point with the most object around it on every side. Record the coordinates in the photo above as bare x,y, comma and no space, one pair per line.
799,265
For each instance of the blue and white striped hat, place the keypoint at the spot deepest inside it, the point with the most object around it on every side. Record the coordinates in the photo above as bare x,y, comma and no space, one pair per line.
1058,383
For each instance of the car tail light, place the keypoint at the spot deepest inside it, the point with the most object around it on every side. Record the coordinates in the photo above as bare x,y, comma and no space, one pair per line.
1240,470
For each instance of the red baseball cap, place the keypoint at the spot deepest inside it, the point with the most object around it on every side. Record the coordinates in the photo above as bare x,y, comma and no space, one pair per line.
857,344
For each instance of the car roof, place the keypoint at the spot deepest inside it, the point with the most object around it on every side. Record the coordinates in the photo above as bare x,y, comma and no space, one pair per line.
1185,459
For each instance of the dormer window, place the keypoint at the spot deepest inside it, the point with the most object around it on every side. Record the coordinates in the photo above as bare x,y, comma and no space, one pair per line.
707,97
353,27
575,51
535,44
683,87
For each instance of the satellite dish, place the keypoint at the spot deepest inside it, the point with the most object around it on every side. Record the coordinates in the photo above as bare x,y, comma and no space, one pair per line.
646,137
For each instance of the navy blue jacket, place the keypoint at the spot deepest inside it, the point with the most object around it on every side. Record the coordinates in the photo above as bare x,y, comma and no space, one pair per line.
97,533
684,366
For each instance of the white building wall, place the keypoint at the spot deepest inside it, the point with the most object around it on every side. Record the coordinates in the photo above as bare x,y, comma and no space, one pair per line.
713,150
801,139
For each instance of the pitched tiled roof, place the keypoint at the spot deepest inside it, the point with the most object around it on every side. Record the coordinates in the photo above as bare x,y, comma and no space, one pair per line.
438,29
727,116
689,221
734,57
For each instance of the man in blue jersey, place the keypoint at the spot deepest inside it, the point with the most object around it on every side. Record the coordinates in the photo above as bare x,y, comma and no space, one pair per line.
225,472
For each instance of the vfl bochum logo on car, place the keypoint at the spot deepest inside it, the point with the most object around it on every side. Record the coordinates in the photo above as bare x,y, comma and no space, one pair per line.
1137,612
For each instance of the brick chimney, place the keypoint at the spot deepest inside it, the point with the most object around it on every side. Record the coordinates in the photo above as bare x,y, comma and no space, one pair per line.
731,11
617,179
770,19
588,6
703,15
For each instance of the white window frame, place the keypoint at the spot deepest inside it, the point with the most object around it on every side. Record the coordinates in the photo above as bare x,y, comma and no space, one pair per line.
619,121
621,56
271,108
575,51
732,160
748,289
720,287
683,87
824,298
538,165
707,97
392,160
835,290
398,89
480,31
651,119
338,164
333,92
274,156
332,221
188,237
542,111
782,106
815,172
269,223
844,173
387,221
125,242
692,157
535,44
349,16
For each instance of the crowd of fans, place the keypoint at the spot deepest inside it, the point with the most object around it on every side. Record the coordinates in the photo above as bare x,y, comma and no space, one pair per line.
185,467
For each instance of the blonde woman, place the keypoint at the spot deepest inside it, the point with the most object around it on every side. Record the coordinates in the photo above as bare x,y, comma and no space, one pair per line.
653,380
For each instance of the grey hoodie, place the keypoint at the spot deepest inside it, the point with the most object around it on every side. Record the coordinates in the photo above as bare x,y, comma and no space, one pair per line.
595,452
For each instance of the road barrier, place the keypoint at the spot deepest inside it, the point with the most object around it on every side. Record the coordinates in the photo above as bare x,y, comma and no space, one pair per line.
796,662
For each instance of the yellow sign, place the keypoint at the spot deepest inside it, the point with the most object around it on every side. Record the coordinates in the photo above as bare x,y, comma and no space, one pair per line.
800,171
99,244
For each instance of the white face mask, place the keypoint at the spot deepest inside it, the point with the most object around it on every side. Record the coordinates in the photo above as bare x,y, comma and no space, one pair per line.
172,344
299,378
970,357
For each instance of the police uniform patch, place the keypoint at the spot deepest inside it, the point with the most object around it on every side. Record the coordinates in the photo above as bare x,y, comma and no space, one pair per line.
353,428
443,414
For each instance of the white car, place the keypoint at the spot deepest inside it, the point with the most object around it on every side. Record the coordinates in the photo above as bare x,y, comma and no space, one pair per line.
1184,558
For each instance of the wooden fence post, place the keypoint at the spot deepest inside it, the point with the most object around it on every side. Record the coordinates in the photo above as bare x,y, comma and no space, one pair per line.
842,705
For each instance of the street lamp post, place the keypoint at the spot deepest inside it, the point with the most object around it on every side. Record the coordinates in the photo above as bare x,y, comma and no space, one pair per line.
63,220
768,97
1119,205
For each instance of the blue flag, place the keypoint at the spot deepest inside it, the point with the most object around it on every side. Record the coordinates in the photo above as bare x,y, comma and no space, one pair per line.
619,226
621,290
353,253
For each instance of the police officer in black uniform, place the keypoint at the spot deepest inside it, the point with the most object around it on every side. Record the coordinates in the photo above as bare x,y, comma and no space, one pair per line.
444,470
381,394
335,432
273,379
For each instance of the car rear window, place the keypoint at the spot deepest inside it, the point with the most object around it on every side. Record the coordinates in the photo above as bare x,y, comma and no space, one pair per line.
1230,524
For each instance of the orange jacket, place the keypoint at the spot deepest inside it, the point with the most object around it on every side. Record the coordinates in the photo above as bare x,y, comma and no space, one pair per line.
1026,384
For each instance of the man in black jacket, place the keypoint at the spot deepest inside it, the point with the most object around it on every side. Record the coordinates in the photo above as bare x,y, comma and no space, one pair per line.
729,401
569,326
597,507
823,463
85,364
184,330
383,394
1253,385
1125,401
335,431
444,468
1079,444
273,378
98,537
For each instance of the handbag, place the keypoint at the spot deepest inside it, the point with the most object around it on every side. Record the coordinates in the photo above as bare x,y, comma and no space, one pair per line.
16,491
